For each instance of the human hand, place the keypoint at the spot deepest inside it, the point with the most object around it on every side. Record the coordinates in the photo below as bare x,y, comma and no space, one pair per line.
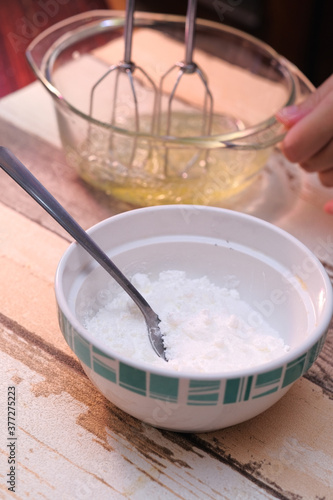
309,140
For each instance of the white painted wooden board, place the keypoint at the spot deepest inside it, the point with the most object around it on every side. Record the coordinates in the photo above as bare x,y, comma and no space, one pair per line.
72,443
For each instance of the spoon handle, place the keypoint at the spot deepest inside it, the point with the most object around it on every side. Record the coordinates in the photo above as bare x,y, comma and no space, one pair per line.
17,171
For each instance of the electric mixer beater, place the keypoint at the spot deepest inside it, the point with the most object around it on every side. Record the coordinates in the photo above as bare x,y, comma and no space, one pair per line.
185,68
128,68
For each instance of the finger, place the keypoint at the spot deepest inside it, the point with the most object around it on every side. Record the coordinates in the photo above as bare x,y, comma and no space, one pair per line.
311,134
328,207
326,177
325,88
292,114
323,160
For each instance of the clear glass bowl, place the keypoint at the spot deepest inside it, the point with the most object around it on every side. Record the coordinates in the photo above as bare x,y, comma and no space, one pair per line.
249,82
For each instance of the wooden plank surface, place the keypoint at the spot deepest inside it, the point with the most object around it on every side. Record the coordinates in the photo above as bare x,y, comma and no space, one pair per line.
48,164
73,443
64,423
279,454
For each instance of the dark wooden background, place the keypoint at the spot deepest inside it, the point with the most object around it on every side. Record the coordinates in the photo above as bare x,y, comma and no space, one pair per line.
300,30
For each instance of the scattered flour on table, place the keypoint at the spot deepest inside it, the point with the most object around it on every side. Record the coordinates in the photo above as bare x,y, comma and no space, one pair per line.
206,328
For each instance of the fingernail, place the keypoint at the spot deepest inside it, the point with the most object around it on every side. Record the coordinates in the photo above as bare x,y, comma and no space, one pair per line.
328,207
291,114
289,111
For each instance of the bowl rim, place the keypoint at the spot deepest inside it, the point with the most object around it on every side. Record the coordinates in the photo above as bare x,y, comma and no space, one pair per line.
319,331
116,18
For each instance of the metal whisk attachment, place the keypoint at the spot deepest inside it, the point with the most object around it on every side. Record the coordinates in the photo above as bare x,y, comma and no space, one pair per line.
128,67
188,67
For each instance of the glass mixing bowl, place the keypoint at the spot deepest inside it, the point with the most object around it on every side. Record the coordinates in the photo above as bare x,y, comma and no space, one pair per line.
151,165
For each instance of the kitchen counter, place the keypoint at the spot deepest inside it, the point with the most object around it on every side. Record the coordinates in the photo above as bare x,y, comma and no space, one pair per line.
71,443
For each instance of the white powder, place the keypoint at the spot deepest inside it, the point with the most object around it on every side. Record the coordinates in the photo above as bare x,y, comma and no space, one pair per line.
206,328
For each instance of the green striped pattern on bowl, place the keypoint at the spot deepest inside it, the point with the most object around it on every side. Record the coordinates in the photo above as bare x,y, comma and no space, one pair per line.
198,392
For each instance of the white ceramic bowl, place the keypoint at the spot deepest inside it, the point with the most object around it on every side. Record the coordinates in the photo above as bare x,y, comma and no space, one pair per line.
278,276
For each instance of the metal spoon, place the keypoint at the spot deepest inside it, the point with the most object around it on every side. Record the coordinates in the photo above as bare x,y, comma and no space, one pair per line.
15,169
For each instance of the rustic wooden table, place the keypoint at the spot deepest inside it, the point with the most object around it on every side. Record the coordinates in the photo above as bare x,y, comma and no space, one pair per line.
71,442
